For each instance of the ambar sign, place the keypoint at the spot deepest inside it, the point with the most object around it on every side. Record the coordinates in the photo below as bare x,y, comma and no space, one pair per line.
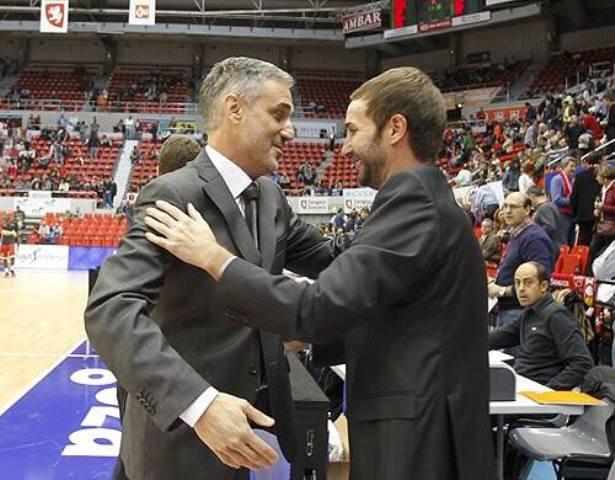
358,22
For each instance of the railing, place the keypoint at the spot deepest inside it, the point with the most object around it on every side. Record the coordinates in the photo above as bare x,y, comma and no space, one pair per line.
14,192
598,149
90,105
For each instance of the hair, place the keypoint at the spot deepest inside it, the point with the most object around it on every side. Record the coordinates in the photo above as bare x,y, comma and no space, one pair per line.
242,76
528,167
565,161
541,271
487,221
176,151
594,158
535,191
409,92
607,171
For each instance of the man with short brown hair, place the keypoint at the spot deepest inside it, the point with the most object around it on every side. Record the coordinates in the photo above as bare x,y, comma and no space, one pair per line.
176,151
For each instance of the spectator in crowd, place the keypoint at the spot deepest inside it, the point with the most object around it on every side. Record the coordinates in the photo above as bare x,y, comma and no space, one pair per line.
93,145
528,242
609,101
585,191
106,141
135,155
130,129
552,350
530,113
604,212
489,241
526,179
549,217
561,189
510,181
464,177
485,202
339,221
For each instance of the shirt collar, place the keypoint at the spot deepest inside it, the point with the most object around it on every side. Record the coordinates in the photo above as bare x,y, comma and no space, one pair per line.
517,230
235,178
540,304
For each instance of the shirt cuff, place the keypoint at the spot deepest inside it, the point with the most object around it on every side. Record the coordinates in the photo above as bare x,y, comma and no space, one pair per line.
226,264
195,411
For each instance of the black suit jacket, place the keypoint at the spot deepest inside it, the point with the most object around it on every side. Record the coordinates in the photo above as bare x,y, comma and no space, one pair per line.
409,298
584,192
150,318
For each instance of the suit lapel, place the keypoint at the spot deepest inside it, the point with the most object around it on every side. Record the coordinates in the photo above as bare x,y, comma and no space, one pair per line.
267,208
215,188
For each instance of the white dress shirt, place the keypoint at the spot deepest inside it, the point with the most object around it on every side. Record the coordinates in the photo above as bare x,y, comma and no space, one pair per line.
237,181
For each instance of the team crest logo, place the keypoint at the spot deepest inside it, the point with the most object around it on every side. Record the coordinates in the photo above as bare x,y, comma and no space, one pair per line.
142,11
55,14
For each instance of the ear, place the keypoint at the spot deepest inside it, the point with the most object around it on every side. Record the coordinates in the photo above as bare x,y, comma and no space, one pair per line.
397,128
233,107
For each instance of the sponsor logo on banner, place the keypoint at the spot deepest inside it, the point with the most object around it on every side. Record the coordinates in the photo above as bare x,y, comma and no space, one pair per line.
54,16
37,207
401,32
506,113
358,22
142,12
428,27
471,18
358,198
43,257
315,205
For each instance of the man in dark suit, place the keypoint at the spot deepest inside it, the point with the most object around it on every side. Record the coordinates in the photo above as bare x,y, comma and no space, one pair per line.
192,373
408,297
585,190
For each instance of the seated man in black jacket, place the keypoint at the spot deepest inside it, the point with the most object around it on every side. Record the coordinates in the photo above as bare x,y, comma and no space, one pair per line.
552,349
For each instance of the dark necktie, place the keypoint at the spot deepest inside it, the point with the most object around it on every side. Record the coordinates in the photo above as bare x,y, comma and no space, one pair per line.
250,201
273,392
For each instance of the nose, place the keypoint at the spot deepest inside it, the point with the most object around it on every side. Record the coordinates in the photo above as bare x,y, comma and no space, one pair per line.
288,132
346,150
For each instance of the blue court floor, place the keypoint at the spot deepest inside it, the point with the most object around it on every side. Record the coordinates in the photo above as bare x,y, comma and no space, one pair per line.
67,427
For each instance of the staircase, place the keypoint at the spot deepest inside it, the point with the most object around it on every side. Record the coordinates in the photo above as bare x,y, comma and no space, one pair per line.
524,81
322,168
122,172
6,83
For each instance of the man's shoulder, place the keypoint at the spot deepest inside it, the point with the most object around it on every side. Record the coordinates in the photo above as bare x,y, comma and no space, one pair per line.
182,181
534,232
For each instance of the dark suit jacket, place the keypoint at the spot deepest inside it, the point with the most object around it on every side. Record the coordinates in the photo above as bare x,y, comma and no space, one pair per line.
150,319
409,297
584,192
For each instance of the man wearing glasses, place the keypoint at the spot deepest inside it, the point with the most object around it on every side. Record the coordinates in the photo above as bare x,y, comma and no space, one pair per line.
528,243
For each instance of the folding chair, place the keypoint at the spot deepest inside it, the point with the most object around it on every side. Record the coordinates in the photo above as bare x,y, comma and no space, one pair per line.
579,450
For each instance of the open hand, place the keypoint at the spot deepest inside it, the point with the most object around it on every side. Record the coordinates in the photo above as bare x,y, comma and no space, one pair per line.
224,428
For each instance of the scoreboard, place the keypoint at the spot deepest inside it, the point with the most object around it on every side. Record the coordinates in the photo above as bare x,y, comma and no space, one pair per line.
430,14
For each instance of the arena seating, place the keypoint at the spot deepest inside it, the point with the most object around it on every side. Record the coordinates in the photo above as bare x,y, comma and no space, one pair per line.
63,83
100,167
479,76
176,88
147,167
93,230
331,94
553,76
341,170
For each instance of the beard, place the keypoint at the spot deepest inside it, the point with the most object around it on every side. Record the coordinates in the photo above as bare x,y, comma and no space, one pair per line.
373,161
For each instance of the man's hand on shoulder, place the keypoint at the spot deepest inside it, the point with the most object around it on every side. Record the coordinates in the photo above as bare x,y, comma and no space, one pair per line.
224,428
